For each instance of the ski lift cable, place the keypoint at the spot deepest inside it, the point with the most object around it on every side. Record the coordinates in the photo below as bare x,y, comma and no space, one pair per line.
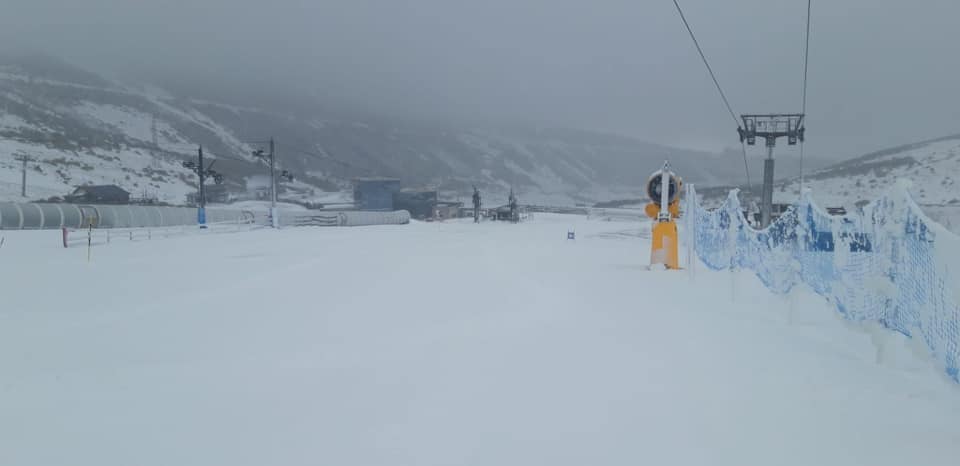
803,105
707,64
716,82
806,60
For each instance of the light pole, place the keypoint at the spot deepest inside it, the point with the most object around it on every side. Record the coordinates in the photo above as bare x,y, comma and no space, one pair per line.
23,181
272,161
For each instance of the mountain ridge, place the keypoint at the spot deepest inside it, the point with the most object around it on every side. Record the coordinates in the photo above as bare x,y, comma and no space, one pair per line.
83,128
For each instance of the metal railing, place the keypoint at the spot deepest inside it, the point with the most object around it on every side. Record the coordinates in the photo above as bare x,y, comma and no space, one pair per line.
40,216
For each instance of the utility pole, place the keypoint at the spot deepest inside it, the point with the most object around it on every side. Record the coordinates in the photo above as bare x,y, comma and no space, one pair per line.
273,186
272,162
770,127
23,181
202,173
202,202
153,131
155,151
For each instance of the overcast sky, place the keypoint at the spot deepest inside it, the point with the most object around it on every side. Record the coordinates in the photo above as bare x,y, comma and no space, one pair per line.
882,72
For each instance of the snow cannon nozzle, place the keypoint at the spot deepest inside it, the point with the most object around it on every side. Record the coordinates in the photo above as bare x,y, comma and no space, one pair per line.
655,182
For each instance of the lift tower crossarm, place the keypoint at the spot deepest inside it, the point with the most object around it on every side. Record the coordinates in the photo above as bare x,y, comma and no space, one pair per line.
770,126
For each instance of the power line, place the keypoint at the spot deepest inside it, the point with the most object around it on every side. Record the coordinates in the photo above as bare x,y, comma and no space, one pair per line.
707,64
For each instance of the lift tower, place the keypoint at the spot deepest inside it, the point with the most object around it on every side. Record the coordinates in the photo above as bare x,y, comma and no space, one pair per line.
770,127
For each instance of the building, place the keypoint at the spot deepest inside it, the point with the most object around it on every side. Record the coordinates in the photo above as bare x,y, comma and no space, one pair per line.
504,213
422,204
375,193
447,210
103,194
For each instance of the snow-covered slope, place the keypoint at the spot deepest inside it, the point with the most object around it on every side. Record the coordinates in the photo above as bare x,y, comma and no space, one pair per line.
78,129
932,167
440,344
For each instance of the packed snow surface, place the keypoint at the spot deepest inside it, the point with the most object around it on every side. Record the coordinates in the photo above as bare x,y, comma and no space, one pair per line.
440,344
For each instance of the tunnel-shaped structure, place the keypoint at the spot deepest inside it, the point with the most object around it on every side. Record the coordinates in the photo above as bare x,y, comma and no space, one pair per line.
34,216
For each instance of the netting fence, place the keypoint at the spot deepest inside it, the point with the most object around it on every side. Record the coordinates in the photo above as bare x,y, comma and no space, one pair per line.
887,263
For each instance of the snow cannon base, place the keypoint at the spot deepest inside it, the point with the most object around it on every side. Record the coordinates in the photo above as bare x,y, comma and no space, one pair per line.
664,249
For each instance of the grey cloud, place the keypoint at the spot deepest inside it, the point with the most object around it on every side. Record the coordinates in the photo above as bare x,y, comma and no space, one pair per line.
882,72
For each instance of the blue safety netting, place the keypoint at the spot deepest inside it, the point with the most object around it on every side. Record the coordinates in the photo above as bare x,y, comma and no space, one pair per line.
886,263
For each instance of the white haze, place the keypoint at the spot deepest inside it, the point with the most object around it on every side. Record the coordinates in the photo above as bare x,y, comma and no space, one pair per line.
881,72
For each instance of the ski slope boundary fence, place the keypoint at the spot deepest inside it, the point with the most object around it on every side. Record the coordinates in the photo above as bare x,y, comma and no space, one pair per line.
888,263
246,221
39,216
79,237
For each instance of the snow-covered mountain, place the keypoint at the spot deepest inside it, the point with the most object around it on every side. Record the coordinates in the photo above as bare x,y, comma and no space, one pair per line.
78,128
932,167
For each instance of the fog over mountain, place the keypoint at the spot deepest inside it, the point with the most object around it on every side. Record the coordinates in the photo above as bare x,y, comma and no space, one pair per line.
78,127
611,66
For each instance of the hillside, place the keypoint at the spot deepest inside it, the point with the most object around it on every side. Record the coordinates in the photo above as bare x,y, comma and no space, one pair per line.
932,166
82,128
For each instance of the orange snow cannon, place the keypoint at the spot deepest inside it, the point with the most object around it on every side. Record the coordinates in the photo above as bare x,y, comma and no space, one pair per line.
663,189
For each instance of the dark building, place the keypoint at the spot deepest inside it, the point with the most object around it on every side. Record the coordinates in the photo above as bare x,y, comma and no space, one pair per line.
421,204
504,213
375,193
104,194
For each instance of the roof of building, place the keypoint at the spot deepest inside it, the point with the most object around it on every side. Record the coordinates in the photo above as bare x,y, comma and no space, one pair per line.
106,190
432,192
375,178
